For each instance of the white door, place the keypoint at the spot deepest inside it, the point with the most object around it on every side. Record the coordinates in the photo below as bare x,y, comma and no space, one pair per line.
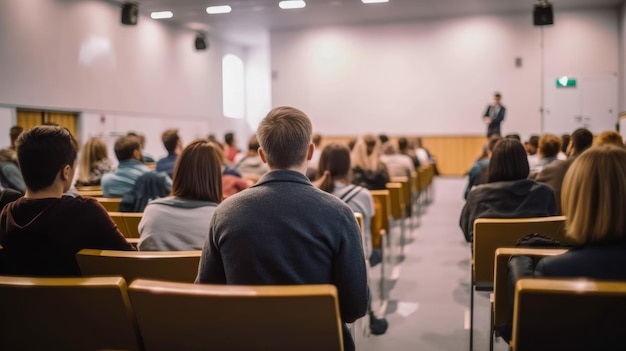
592,104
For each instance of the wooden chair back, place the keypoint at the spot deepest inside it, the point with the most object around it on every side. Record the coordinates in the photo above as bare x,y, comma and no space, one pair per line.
406,189
493,233
179,266
569,314
127,222
111,204
502,304
396,198
180,316
67,314
382,212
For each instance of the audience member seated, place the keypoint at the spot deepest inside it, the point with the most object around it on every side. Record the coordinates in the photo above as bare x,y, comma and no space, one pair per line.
508,193
549,148
232,182
180,222
334,178
532,146
610,137
42,232
478,173
285,231
593,198
131,167
367,169
14,133
424,156
398,165
10,176
250,165
94,162
230,148
514,136
174,146
553,174
565,139
142,143
408,148
7,196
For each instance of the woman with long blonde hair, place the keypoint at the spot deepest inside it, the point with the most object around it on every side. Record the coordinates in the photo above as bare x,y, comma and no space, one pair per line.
367,169
94,162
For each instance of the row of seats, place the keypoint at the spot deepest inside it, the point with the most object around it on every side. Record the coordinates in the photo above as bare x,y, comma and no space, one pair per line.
549,314
102,313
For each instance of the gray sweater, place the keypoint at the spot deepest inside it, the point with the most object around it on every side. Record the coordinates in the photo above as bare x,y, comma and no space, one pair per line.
283,230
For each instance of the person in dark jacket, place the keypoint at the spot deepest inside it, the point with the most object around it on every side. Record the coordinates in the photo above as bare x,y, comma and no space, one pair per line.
508,193
42,232
283,230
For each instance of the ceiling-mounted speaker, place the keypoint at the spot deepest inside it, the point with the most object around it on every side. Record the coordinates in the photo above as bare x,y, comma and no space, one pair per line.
130,13
543,14
201,42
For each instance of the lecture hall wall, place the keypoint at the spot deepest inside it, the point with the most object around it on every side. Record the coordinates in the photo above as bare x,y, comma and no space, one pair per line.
435,77
76,56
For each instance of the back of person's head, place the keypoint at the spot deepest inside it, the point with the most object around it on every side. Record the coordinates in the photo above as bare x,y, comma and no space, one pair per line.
493,140
593,197
514,136
508,162
93,151
140,137
549,145
15,132
8,155
198,172
253,143
565,138
403,144
610,137
316,139
170,140
42,152
581,139
285,135
366,153
351,144
229,138
125,147
387,148
334,164
383,138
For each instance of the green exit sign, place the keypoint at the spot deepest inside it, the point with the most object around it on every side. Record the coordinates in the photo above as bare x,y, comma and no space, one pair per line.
563,82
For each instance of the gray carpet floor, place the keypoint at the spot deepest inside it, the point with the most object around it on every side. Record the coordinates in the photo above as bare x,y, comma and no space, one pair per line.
426,286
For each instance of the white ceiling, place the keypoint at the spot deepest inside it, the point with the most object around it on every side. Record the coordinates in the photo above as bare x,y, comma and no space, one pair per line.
251,17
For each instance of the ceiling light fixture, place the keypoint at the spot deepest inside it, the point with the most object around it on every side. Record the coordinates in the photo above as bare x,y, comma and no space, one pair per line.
213,10
291,4
162,14
373,1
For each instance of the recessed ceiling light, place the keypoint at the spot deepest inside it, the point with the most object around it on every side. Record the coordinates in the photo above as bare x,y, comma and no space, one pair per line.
373,1
292,4
161,14
212,10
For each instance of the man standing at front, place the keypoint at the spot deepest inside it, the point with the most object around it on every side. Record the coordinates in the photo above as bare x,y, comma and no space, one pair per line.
494,115
283,230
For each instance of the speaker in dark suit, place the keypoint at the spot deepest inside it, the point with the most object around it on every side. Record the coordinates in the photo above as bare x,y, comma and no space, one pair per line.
494,115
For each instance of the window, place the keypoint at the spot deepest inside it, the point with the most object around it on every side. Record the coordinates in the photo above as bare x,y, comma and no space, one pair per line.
233,86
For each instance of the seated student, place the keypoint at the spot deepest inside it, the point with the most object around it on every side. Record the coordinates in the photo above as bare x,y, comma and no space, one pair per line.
408,148
142,143
334,178
508,193
565,140
398,165
10,176
283,230
610,137
173,145
478,173
131,166
94,162
230,148
593,199
532,146
250,165
42,232
180,222
549,148
367,169
14,133
232,182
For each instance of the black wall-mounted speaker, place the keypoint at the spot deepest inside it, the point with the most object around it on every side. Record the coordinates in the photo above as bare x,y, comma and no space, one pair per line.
130,14
543,15
201,42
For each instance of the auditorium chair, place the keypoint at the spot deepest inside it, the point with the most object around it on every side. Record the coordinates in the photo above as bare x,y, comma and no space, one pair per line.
111,204
179,266
569,314
380,230
183,316
127,222
67,314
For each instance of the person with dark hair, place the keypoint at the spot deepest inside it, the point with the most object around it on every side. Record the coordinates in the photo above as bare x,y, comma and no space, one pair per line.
283,230
14,133
407,148
42,232
142,144
131,166
532,148
174,146
553,174
180,221
508,193
494,115
565,138
10,176
383,138
250,165
478,173
230,147
334,177
514,136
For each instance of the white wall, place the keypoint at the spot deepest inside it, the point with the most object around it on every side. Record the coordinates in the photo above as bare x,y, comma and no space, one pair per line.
76,56
7,120
435,77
